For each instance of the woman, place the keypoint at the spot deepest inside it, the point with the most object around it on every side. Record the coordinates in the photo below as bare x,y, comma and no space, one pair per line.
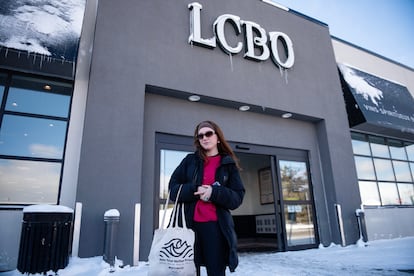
211,188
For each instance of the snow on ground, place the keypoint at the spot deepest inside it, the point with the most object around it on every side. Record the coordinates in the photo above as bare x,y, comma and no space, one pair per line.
380,257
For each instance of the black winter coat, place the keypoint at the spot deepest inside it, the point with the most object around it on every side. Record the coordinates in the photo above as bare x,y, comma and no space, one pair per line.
226,196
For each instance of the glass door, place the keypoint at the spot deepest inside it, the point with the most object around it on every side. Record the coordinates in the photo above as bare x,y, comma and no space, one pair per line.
169,160
297,204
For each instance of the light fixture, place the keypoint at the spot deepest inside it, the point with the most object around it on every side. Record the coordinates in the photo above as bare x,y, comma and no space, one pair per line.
194,98
286,115
244,108
47,87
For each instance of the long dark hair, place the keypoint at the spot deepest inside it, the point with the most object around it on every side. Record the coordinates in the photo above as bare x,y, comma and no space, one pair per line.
222,146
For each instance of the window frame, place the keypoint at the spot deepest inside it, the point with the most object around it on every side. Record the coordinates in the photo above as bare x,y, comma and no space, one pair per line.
58,160
393,160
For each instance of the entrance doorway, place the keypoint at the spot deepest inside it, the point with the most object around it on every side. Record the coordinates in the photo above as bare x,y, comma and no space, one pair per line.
277,213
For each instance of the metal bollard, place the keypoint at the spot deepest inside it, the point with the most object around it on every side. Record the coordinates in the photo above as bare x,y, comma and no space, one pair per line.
360,214
111,219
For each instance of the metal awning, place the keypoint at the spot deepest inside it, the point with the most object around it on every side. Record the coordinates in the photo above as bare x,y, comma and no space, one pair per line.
377,105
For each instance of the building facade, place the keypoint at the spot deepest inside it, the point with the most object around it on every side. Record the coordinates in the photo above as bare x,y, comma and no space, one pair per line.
148,71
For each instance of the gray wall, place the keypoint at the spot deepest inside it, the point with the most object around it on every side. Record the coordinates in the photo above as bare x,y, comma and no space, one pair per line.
389,223
10,238
145,42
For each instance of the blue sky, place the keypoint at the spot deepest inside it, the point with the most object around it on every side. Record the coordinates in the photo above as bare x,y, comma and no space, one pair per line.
385,27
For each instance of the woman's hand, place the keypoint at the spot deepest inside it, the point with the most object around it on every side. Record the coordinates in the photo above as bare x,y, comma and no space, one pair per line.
204,191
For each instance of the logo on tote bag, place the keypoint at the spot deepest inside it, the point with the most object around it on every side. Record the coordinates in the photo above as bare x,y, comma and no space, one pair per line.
176,248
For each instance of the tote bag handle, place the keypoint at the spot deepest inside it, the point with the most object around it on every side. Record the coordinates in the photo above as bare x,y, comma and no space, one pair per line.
175,215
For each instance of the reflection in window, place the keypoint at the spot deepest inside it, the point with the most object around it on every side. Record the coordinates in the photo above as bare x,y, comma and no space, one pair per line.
360,145
378,147
389,193
29,182
2,85
412,169
406,193
365,168
299,224
397,150
37,102
383,168
369,193
410,151
169,160
32,139
402,171
388,170
295,183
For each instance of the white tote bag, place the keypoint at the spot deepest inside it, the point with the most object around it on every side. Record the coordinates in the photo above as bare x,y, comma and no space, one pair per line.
172,249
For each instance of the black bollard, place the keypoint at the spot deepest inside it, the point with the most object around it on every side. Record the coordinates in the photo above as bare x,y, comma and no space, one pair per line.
111,219
362,225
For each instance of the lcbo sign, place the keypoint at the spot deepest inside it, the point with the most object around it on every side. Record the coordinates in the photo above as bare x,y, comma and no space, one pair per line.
255,37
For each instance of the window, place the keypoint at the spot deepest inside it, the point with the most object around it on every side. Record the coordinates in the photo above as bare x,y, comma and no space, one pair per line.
397,150
365,168
378,147
385,173
383,167
406,193
369,193
298,207
359,145
33,125
2,84
410,151
169,161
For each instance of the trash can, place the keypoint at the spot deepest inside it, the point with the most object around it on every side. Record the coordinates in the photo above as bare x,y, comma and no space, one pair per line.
45,238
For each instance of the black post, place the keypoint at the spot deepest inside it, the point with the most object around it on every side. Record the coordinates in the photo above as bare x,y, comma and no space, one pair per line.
111,219
361,223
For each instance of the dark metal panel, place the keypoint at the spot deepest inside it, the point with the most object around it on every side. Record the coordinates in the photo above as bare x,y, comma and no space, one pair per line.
377,105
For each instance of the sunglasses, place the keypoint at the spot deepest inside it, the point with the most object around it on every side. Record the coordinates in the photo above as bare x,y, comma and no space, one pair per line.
208,134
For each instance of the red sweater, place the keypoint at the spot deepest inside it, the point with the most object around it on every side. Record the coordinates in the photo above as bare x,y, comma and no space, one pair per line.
206,211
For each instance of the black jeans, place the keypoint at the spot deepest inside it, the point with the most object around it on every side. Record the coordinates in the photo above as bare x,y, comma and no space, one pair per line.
210,248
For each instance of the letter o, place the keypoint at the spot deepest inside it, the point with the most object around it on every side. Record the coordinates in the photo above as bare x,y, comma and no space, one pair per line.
273,38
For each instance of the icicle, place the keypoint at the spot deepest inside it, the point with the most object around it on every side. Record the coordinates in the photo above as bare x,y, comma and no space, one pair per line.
231,62
41,61
73,68
281,71
6,52
286,75
34,58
